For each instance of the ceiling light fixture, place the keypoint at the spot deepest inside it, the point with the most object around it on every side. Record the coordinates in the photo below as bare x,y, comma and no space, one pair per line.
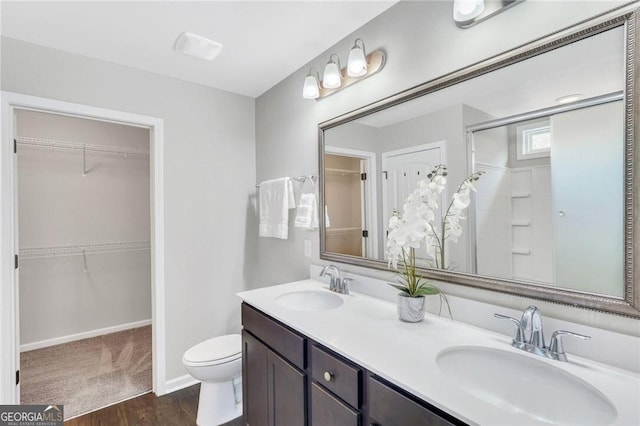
311,89
359,66
466,10
332,77
357,63
198,46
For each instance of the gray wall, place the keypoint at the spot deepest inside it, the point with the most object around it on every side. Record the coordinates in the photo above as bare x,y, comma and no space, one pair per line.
209,172
58,206
421,43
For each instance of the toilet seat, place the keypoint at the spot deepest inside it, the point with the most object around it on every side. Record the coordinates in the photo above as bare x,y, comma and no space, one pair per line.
216,351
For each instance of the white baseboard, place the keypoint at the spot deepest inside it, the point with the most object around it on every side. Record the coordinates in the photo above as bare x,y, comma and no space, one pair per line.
180,383
83,335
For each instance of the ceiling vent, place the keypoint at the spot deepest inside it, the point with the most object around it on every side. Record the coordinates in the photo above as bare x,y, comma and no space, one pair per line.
198,46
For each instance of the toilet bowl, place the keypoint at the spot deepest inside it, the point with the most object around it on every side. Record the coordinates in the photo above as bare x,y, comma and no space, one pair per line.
217,363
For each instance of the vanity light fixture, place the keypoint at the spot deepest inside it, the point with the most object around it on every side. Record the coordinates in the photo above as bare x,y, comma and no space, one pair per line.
332,77
567,99
311,89
359,66
357,63
470,12
198,46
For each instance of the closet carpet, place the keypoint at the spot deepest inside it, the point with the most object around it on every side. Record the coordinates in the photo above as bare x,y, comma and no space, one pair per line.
88,374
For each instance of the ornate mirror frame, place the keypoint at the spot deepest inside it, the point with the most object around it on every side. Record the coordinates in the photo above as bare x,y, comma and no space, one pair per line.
629,304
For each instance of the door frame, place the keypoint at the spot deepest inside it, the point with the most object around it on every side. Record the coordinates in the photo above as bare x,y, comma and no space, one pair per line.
9,308
371,206
384,158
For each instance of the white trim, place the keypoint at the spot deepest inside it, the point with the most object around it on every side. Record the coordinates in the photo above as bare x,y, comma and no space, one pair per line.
180,383
416,148
9,338
83,335
372,202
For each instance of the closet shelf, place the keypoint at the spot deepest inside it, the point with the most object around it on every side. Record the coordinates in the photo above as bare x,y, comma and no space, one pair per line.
338,231
523,251
341,172
73,250
521,195
78,146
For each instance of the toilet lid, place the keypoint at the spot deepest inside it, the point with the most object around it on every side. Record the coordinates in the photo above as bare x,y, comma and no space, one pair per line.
222,348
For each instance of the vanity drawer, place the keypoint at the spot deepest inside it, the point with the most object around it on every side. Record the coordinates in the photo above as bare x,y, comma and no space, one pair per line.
286,342
326,409
340,377
388,407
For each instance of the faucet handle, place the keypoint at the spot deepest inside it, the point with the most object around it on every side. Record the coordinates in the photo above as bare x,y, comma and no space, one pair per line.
344,287
556,346
518,337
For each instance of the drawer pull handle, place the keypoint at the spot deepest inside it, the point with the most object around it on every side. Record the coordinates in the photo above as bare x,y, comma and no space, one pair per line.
328,376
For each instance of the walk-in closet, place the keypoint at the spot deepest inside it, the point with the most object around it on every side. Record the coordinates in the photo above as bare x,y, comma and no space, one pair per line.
85,269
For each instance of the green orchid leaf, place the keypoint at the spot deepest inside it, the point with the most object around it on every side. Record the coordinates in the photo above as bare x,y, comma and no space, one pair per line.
427,291
400,287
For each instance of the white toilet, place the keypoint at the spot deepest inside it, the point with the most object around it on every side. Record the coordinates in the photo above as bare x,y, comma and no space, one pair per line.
217,363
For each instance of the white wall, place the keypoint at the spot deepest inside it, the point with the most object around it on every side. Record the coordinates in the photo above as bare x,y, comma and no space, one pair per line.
58,206
421,43
209,171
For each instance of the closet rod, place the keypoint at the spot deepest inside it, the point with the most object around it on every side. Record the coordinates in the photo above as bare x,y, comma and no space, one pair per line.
301,179
73,250
78,146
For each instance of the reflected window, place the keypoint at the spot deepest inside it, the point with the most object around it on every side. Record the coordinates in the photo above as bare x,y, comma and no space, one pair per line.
534,140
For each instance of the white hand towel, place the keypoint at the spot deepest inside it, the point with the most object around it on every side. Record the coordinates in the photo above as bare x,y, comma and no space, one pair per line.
307,212
276,198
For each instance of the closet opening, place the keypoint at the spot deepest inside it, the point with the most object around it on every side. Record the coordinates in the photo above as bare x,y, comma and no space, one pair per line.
86,227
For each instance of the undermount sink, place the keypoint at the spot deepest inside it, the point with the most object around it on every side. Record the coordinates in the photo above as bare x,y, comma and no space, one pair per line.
309,300
521,384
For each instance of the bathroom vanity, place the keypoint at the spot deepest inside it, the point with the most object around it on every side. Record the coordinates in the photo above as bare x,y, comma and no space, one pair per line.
291,379
313,357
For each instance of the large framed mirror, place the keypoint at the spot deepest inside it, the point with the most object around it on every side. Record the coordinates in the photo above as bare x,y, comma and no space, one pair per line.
550,127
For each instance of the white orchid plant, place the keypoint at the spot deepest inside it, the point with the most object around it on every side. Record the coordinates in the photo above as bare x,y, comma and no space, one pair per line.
418,223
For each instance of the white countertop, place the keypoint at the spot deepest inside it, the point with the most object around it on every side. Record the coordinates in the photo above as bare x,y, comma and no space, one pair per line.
367,331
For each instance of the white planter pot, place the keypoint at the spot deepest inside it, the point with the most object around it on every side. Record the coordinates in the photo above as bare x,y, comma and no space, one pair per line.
411,309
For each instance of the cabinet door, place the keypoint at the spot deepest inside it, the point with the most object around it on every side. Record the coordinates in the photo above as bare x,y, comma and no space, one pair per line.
286,393
327,410
388,407
254,381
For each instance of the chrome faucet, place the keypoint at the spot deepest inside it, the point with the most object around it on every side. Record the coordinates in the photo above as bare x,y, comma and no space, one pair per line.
529,335
336,283
531,324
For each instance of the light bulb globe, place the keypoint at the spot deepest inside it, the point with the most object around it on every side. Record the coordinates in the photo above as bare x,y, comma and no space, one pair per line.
331,77
357,63
310,90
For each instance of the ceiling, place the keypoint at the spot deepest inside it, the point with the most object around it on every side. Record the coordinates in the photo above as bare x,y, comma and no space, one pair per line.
590,67
264,41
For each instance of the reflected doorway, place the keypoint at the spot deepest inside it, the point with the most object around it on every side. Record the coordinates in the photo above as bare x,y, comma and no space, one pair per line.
350,195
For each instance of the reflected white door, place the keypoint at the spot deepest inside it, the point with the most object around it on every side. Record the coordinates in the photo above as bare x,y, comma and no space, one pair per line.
402,170
587,169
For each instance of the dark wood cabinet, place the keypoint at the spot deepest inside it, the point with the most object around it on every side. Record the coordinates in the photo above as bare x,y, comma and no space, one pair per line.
390,407
290,380
286,393
254,381
274,390
338,376
328,410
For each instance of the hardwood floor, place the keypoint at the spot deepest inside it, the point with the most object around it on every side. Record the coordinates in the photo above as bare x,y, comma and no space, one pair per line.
174,409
